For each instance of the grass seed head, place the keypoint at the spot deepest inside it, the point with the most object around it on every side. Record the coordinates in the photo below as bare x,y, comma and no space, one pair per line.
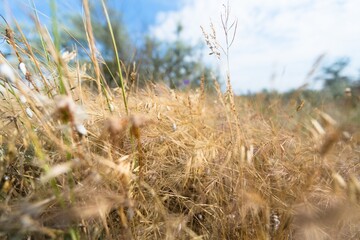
22,68
67,111
81,130
29,112
347,92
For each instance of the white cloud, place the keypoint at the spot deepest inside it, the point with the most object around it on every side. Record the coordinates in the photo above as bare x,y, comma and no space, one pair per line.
281,37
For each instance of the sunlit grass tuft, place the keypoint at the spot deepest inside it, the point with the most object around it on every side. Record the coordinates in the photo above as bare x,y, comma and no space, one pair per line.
182,165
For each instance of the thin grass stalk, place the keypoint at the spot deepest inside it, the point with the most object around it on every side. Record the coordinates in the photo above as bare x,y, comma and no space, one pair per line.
37,23
33,58
37,65
103,85
90,36
38,149
62,88
117,56
9,35
74,234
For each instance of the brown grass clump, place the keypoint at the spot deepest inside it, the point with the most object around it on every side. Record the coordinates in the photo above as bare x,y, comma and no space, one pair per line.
173,170
180,165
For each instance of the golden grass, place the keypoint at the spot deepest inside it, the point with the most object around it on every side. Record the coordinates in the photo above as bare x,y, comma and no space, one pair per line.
180,165
173,170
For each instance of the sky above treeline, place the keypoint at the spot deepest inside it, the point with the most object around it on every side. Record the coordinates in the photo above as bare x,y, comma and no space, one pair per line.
276,41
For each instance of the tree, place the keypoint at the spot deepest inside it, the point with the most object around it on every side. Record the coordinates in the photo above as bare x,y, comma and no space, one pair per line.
177,63
334,80
103,40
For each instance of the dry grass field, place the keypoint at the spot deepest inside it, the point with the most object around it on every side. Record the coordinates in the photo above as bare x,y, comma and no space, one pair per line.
78,162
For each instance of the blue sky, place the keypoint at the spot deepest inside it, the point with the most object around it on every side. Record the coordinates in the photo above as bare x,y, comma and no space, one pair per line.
138,15
276,43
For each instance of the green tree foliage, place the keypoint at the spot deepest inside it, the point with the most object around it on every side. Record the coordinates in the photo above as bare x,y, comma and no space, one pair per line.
77,35
101,32
335,81
177,63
